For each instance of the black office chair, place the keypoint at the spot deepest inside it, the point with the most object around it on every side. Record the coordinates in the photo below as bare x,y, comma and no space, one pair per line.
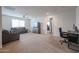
63,35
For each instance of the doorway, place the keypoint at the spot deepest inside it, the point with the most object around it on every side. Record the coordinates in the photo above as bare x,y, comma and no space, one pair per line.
49,26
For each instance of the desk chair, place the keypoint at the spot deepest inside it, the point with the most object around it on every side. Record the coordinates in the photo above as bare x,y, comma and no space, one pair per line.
63,35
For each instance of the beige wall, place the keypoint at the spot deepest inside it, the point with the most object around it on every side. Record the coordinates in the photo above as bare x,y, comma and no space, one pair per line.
0,28
77,17
64,20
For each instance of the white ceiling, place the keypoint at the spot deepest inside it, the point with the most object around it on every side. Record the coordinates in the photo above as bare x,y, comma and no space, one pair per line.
34,11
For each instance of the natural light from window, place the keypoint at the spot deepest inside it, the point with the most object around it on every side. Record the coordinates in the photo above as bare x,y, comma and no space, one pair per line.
18,23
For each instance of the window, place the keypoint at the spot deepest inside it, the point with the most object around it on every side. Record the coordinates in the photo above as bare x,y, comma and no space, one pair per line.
34,24
18,23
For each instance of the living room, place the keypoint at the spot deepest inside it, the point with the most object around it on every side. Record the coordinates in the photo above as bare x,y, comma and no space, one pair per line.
28,17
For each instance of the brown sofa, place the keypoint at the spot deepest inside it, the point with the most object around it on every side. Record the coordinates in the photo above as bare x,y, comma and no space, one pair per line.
9,36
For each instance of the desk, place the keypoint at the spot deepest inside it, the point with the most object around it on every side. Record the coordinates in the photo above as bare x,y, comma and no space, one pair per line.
73,32
73,37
